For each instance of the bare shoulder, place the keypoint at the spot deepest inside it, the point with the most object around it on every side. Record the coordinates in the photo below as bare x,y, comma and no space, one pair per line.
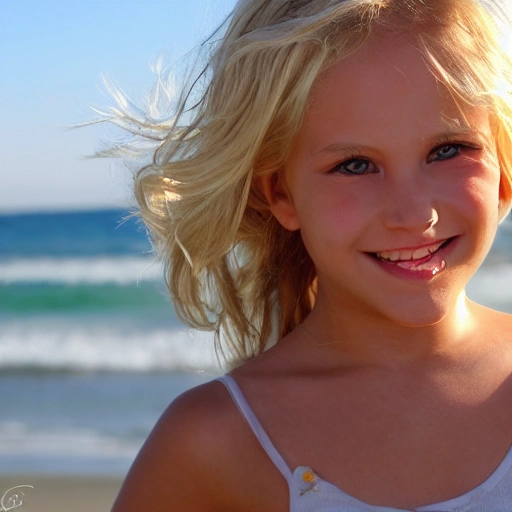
177,468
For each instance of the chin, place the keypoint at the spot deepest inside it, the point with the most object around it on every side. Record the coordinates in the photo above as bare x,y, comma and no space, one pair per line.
423,312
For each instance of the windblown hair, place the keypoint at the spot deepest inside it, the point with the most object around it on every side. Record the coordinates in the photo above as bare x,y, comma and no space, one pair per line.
229,265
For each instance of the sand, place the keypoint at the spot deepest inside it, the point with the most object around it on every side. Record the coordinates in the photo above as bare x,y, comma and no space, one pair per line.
54,493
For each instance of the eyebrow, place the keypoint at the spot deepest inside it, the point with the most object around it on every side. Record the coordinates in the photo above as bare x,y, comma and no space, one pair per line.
351,148
462,132
339,147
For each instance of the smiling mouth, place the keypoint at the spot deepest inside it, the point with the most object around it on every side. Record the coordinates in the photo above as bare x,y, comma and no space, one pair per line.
421,259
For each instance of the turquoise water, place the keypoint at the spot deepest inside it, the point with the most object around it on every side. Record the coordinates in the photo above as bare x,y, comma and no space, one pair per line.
91,352
81,291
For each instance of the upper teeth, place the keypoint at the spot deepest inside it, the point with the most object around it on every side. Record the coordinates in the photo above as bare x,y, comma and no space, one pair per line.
407,255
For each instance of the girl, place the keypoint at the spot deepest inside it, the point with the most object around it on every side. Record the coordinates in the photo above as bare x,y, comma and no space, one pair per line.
341,179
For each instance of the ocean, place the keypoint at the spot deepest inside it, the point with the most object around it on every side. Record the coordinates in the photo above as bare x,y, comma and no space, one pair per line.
91,352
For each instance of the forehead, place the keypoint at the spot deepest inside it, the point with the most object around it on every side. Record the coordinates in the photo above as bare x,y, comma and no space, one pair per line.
385,86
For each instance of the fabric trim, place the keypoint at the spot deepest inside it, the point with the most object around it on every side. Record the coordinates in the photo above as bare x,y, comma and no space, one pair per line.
246,411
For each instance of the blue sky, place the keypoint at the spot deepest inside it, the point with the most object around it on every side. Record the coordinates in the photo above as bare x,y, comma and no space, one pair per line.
52,55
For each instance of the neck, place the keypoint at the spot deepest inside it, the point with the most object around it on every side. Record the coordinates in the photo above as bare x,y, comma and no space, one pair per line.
359,338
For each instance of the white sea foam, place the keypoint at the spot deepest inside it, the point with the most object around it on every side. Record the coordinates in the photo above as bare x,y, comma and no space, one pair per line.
17,438
100,348
93,270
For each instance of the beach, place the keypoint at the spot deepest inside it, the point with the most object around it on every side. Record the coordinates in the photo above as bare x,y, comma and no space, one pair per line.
61,493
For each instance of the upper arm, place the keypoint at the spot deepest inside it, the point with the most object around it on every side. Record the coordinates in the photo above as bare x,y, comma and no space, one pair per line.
176,467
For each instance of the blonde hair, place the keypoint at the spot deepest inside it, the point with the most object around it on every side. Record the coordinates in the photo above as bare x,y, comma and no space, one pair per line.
230,267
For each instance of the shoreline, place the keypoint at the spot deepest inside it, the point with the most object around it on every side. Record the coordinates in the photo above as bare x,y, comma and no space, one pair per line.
62,493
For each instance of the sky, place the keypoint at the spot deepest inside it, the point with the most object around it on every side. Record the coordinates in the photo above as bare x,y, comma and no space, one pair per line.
53,54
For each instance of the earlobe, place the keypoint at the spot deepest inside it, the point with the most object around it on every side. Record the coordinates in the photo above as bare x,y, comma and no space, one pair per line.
279,201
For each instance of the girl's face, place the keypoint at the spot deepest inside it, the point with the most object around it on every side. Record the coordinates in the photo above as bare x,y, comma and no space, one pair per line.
394,188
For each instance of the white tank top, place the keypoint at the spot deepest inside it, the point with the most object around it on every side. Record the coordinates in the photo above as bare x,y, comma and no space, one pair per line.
309,493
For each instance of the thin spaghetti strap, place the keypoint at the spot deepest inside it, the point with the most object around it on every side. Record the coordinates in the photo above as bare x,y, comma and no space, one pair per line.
259,432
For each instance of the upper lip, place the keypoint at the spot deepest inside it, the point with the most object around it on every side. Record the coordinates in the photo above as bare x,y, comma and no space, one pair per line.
411,252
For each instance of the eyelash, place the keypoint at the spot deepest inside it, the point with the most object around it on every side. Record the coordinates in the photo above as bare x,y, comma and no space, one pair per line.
461,148
339,167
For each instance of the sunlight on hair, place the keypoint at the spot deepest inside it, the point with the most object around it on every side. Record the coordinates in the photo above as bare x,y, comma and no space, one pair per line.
147,125
169,195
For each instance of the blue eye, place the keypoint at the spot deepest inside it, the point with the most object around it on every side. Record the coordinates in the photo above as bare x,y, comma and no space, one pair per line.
446,152
355,167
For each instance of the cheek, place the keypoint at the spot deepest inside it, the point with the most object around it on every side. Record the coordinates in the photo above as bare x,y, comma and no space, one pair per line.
472,186
481,192
334,215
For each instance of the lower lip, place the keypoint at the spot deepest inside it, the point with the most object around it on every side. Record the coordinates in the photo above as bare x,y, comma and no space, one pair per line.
437,262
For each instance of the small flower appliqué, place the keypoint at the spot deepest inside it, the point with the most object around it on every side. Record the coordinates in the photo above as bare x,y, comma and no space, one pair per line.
310,481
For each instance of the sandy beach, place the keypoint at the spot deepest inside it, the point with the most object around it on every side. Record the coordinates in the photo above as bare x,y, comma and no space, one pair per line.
56,493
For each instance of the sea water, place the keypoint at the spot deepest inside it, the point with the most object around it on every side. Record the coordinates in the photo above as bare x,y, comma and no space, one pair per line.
91,351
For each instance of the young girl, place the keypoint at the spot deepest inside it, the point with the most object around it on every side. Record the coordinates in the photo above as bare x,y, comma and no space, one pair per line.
338,184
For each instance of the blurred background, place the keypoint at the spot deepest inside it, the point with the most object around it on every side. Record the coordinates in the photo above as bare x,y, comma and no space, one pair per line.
91,352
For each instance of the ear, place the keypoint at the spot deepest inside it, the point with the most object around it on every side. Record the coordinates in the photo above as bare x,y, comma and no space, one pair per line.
279,201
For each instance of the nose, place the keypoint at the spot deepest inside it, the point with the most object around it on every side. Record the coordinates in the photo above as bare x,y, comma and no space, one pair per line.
409,205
